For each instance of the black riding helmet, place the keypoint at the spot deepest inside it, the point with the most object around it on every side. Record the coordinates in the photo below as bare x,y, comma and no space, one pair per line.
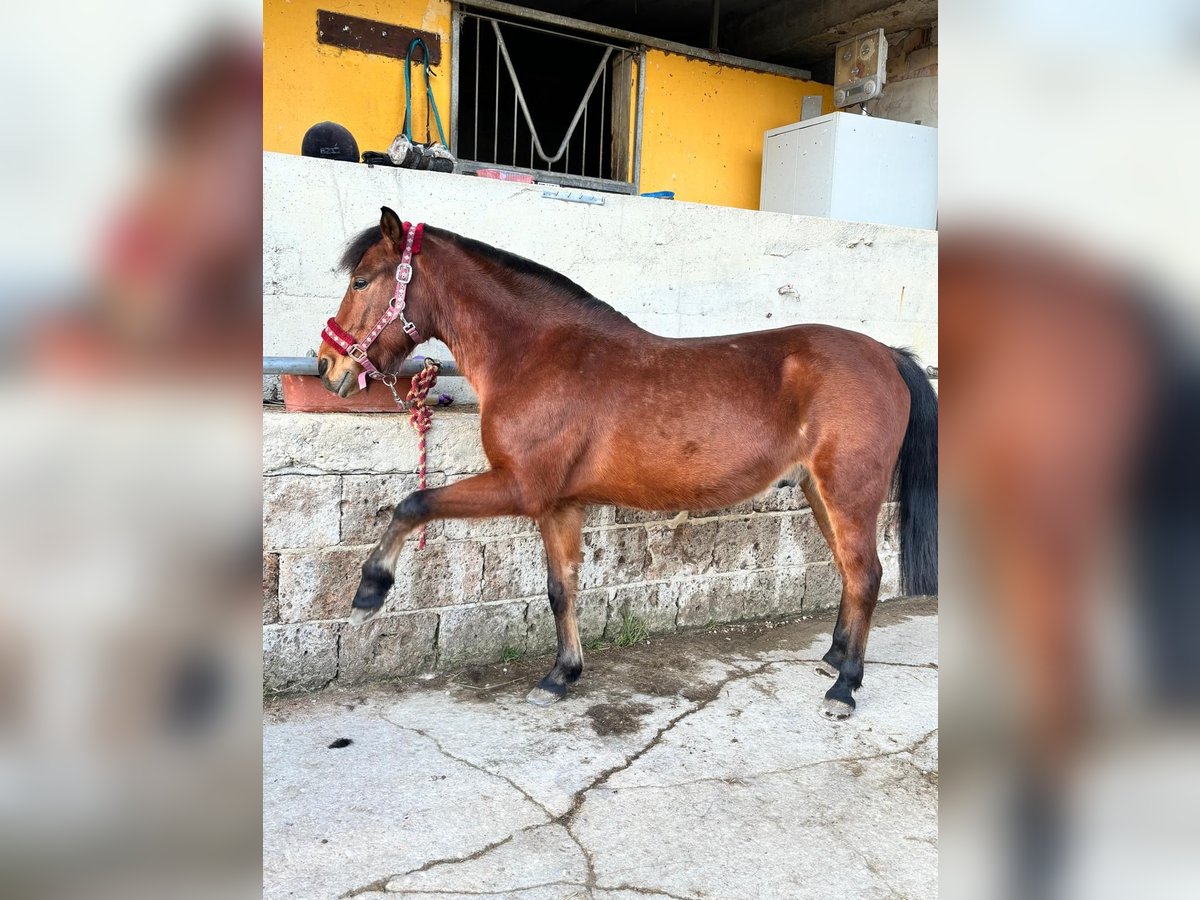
329,140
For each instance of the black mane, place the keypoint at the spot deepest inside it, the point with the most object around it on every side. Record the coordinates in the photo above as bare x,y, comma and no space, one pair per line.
358,247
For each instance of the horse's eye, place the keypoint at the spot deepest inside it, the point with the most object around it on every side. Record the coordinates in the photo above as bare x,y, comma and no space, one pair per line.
360,283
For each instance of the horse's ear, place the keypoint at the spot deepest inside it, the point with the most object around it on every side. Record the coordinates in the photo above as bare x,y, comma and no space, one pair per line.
391,226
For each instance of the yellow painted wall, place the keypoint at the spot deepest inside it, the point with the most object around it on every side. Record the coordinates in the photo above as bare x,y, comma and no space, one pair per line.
703,129
702,135
305,82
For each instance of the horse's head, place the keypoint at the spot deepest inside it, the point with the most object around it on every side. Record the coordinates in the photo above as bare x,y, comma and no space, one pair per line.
372,261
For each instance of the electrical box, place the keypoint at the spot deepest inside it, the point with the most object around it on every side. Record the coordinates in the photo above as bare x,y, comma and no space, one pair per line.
859,68
852,167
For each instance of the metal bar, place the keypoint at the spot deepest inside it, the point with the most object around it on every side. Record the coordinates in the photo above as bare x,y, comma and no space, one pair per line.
514,153
603,94
455,32
583,168
636,180
714,26
630,37
289,365
525,107
558,34
496,112
307,365
478,28
466,166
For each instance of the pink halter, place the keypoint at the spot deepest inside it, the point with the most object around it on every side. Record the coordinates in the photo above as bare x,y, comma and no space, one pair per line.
346,344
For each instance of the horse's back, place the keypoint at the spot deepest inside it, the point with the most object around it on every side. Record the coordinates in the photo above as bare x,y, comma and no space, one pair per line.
704,422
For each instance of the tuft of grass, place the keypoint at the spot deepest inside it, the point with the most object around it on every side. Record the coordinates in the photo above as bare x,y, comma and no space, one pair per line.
511,654
633,631
596,644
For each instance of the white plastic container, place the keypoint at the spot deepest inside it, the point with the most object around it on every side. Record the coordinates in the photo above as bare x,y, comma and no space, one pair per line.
853,167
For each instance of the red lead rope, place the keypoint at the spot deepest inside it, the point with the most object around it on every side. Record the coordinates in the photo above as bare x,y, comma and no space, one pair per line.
420,417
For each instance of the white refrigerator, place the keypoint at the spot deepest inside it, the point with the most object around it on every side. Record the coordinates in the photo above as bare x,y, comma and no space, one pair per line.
852,167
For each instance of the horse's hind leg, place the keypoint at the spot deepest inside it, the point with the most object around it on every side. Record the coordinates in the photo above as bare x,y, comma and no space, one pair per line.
561,529
831,663
849,515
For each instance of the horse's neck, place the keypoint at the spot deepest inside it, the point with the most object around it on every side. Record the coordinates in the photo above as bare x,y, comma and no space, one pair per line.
485,326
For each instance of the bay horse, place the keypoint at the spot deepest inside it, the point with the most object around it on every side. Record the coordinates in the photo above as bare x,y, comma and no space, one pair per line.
579,406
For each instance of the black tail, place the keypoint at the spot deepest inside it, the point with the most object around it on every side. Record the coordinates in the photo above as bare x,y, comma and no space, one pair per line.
917,482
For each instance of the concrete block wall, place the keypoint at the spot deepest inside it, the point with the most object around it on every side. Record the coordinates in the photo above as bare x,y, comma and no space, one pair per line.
478,590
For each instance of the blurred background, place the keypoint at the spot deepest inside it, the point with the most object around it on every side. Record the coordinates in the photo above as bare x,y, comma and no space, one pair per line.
129,282
1068,316
129,468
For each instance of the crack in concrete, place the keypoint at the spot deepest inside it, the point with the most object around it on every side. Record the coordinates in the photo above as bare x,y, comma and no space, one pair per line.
478,768
744,779
932,666
381,883
507,892
647,892
873,869
567,819
337,192
378,886
657,737
551,819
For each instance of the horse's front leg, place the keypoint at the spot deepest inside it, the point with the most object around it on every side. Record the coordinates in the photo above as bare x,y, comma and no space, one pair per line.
561,532
493,493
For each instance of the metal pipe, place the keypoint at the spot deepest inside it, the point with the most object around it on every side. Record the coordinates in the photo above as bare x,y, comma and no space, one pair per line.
636,180
603,95
455,90
478,29
307,365
289,365
496,112
714,26
558,34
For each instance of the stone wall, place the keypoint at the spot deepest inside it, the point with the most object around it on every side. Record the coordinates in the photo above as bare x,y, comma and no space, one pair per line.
478,591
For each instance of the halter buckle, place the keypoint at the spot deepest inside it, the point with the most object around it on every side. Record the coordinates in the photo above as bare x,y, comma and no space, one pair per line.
390,380
410,329
404,273
360,357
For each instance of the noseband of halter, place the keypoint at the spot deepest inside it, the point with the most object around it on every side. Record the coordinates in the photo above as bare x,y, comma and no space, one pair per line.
347,345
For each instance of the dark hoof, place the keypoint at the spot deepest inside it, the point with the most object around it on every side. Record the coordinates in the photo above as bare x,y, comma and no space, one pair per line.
836,710
539,696
360,616
824,668
547,692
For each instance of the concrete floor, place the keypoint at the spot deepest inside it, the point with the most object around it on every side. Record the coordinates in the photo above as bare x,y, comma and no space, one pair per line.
691,766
